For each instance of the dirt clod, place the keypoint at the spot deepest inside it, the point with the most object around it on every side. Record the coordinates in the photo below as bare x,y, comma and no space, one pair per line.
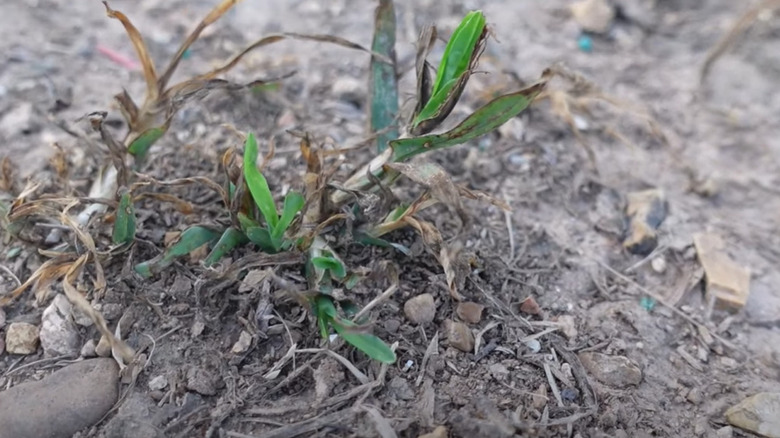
420,309
202,381
21,338
616,371
459,335
645,211
758,413
400,388
470,312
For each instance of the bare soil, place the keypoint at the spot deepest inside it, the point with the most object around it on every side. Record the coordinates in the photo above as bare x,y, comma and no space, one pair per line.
561,244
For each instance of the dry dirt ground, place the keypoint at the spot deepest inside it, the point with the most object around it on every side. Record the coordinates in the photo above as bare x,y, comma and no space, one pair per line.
561,244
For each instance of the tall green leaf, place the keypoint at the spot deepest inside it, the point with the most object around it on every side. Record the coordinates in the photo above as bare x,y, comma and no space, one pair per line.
383,85
257,183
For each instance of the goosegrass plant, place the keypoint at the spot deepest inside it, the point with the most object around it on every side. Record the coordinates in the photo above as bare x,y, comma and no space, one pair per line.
310,221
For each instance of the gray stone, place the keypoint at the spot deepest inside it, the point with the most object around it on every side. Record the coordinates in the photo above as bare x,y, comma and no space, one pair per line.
759,413
21,338
62,403
20,120
89,349
59,335
2,318
616,371
135,418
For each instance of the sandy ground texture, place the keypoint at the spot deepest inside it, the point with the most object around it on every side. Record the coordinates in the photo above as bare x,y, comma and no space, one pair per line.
573,339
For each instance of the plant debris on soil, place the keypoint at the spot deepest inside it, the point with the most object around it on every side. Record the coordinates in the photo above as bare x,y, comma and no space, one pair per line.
604,264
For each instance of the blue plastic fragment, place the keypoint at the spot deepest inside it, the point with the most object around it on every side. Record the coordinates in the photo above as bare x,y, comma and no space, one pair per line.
585,43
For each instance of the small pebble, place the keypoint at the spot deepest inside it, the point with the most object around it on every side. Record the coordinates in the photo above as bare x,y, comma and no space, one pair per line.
88,349
530,306
569,394
470,312
439,432
158,383
243,343
658,264
534,345
459,335
392,325
2,318
420,309
21,338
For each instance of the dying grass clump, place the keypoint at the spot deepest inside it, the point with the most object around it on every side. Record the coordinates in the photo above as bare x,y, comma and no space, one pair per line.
304,224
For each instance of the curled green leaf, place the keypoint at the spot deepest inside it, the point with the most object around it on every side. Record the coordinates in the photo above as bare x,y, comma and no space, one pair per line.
460,56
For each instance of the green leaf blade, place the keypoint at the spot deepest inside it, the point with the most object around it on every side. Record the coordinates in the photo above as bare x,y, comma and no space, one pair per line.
230,239
383,104
369,344
141,145
191,239
293,203
482,121
331,264
262,238
124,224
459,50
258,185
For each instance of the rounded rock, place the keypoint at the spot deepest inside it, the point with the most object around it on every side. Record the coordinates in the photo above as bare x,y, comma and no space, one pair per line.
61,404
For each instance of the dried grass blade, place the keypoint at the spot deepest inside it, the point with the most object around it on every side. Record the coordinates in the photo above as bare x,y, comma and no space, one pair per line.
118,347
150,75
213,16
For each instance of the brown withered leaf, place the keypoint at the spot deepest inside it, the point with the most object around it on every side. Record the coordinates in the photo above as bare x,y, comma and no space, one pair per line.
214,15
48,272
7,177
424,82
181,205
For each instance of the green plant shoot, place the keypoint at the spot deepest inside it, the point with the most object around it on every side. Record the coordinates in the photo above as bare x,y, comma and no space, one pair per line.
461,50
